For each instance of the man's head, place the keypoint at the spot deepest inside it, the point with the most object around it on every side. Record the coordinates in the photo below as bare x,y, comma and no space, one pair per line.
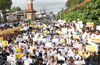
59,52
45,55
45,49
94,53
97,32
12,52
4,52
52,58
71,59
74,52
90,32
87,30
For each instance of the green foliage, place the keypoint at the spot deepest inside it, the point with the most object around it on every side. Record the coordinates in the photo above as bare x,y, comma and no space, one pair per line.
89,13
72,3
15,9
92,12
5,4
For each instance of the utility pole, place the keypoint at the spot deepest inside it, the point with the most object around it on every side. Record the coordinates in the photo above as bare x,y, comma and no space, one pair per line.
60,14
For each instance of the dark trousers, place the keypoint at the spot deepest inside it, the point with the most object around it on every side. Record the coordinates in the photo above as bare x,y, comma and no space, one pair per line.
19,63
87,62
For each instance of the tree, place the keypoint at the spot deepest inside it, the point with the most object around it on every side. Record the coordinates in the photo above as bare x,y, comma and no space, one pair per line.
4,5
15,9
90,12
18,9
73,3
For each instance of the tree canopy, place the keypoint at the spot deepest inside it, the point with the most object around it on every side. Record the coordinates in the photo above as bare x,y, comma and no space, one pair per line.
15,9
89,13
5,4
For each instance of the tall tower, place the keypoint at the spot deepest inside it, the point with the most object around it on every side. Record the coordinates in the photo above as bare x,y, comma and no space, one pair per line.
30,4
30,12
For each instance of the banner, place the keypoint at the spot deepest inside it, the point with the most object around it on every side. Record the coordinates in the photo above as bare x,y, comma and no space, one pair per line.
51,29
95,39
91,48
80,53
45,31
59,32
15,41
34,30
36,26
68,36
69,30
80,30
41,36
31,47
63,41
76,36
31,51
17,49
4,43
80,22
1,39
19,55
89,24
31,25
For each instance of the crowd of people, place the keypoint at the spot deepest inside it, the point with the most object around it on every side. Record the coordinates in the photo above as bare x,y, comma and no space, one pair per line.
54,43
9,24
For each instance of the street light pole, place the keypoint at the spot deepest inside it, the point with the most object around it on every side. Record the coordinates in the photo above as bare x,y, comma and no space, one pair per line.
60,14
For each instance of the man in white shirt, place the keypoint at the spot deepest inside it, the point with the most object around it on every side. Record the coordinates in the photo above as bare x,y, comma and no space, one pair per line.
11,58
76,56
27,60
45,59
35,53
59,56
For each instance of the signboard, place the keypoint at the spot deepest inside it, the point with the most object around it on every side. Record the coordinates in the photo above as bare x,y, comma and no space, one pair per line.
20,12
69,30
91,48
48,44
43,11
95,39
17,49
4,43
11,17
80,30
98,28
80,53
68,36
19,55
51,12
34,30
31,51
89,24
80,22
63,41
76,36
31,47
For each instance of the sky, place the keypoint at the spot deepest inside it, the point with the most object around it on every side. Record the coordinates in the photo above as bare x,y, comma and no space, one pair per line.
49,5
